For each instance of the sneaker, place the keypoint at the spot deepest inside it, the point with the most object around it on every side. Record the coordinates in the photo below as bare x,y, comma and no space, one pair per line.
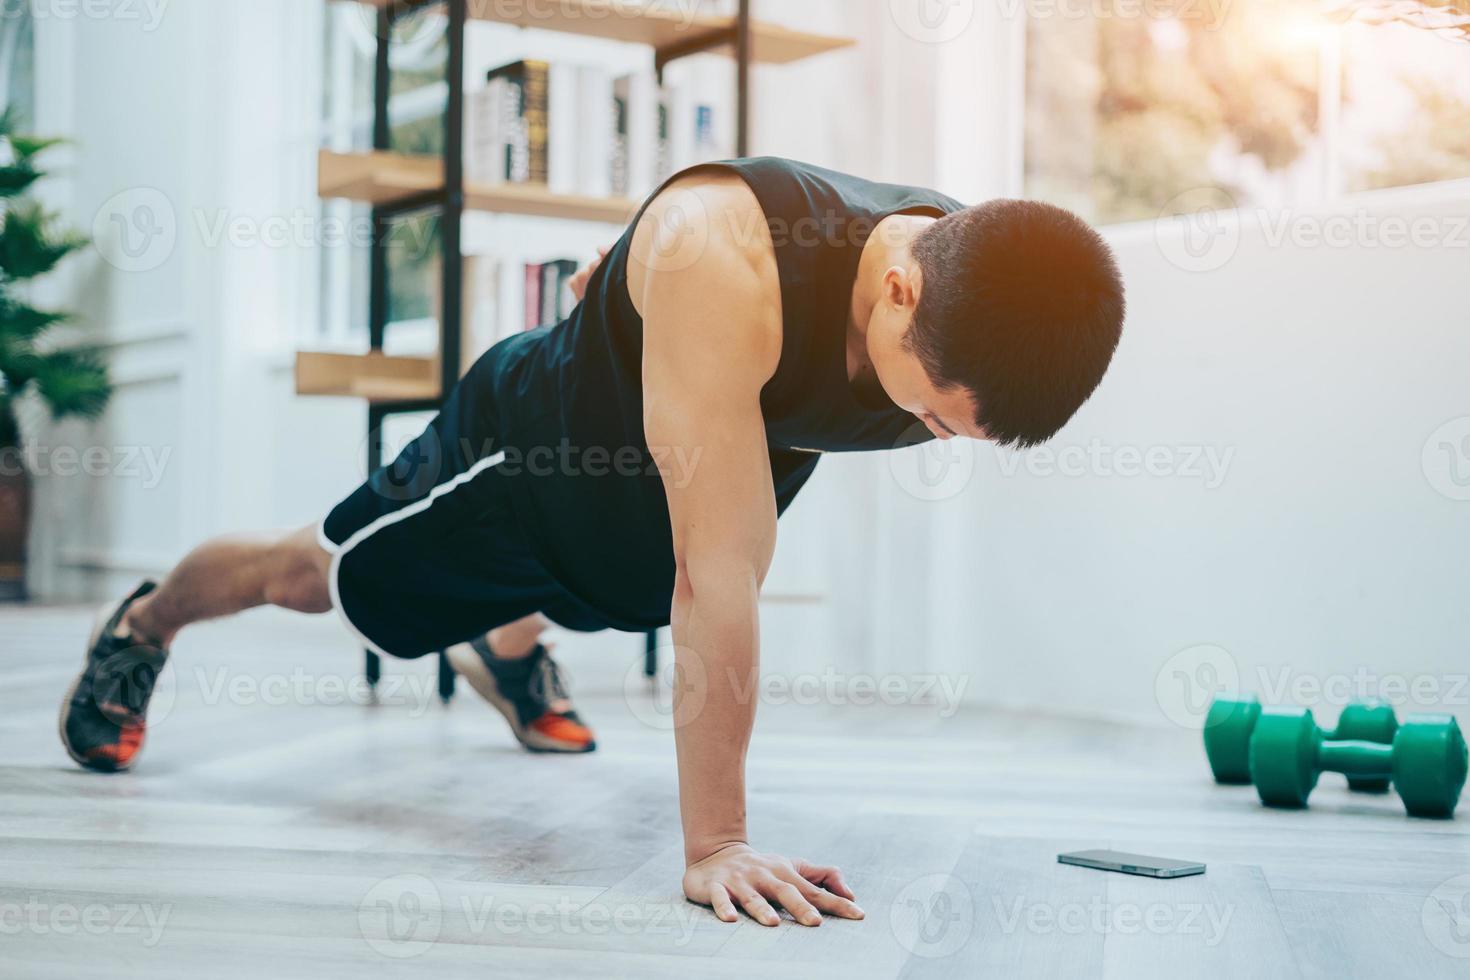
530,694
104,714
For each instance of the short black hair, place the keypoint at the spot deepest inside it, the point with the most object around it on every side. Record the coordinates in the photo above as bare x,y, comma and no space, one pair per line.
1021,304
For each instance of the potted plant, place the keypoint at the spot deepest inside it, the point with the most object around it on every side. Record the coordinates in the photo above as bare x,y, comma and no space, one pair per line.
68,380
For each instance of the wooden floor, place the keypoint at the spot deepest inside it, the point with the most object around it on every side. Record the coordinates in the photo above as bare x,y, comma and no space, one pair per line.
278,827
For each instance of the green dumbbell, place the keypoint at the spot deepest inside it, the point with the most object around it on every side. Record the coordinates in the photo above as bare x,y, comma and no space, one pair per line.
1229,725
1427,760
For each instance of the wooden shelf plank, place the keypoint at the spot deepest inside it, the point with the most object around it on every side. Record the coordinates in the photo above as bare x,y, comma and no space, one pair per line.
620,20
384,178
376,377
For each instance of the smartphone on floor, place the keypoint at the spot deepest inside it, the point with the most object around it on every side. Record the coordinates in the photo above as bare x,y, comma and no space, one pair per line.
1132,864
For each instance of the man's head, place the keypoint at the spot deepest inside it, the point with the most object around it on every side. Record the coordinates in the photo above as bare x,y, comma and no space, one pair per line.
1001,325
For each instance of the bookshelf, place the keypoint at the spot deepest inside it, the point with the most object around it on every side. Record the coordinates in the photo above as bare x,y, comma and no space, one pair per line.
384,178
396,184
668,32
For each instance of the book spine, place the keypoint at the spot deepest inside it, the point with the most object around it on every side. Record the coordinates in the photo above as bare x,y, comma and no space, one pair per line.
533,296
665,154
535,107
595,131
550,296
618,164
563,129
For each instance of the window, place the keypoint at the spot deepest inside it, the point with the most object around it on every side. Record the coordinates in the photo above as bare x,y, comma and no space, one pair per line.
17,61
1132,105
416,109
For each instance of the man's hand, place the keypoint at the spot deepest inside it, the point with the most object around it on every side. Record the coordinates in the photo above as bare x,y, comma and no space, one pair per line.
580,279
737,874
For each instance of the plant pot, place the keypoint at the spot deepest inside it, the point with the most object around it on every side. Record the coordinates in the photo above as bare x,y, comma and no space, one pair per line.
15,526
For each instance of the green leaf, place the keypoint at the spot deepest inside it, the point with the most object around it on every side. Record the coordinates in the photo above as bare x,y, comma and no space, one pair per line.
29,245
22,324
72,382
16,177
27,147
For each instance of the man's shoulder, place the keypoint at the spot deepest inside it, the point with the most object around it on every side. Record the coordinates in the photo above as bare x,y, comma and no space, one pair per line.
706,227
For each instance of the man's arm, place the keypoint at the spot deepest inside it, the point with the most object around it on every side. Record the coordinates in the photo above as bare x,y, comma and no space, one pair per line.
710,345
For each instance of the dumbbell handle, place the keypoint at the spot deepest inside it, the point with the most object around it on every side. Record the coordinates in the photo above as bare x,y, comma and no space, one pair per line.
1356,758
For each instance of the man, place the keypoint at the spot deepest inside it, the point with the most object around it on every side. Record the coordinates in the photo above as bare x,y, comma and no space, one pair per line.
626,468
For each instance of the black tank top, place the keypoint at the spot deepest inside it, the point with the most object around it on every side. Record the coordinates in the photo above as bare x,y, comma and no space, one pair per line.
569,398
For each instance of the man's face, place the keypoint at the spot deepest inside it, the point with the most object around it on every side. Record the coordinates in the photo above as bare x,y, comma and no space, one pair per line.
947,412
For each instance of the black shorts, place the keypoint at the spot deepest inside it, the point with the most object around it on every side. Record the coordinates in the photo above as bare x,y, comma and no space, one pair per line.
428,553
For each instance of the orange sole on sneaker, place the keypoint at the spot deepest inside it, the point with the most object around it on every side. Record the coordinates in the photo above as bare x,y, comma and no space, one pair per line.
120,755
549,733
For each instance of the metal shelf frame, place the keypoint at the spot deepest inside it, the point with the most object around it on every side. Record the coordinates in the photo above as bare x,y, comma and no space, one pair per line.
449,201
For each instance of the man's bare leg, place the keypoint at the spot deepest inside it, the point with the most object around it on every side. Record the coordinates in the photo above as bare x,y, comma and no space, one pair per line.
231,574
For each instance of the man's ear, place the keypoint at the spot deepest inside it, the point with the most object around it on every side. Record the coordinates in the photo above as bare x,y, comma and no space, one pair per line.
898,287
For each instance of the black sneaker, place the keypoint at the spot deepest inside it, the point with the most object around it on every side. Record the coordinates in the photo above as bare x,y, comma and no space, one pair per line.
530,694
104,714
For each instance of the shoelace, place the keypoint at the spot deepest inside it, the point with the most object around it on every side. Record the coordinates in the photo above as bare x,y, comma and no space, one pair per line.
547,683
127,677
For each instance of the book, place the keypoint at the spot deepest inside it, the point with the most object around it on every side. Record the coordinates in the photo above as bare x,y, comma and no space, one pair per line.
635,114
524,119
533,296
564,136
484,146
480,326
556,295
596,126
